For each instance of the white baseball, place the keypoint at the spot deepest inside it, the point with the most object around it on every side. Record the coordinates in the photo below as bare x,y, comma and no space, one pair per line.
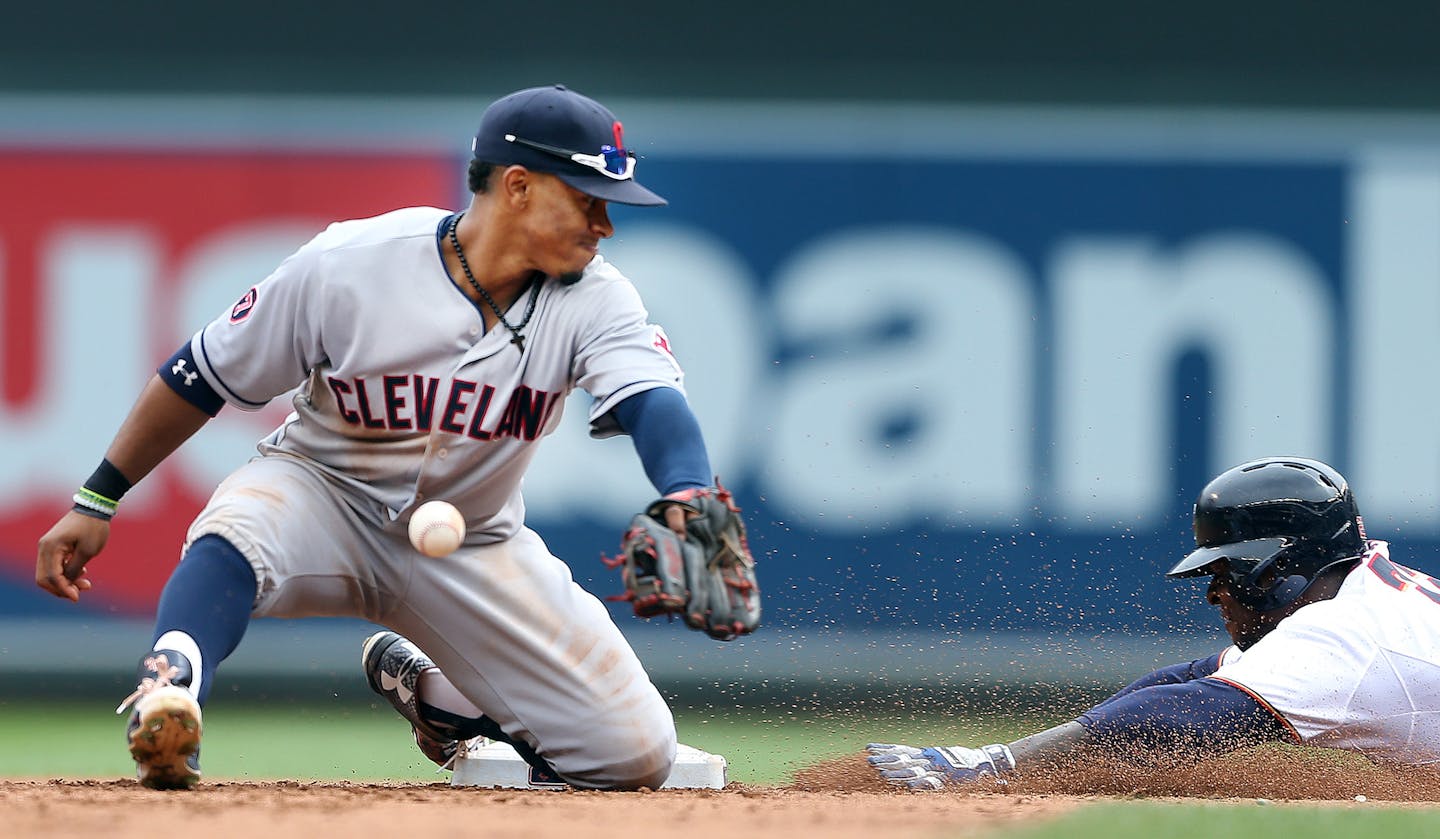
436,528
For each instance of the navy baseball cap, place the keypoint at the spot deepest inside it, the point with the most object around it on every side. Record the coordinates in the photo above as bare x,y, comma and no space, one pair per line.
557,131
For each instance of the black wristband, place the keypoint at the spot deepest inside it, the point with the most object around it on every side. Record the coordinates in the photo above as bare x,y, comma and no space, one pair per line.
107,481
102,493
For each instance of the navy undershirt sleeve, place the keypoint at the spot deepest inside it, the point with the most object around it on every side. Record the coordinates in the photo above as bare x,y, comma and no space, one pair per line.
183,376
667,438
1186,671
1189,720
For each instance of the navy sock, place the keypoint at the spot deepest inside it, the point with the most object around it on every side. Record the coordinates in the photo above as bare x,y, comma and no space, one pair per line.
208,597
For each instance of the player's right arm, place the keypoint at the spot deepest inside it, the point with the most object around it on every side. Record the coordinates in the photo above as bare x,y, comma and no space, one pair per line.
253,351
159,422
1175,715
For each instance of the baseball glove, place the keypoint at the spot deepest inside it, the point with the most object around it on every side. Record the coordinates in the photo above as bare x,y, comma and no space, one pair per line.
707,576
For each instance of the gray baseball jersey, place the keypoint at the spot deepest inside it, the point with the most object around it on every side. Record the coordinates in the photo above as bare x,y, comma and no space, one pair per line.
404,397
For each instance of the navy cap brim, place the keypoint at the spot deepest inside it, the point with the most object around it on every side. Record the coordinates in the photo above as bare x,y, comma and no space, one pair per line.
1194,564
610,189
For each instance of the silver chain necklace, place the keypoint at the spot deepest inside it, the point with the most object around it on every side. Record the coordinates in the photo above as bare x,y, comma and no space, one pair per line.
518,340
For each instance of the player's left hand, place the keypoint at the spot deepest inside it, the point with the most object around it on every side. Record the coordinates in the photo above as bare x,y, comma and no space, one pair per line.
687,555
934,767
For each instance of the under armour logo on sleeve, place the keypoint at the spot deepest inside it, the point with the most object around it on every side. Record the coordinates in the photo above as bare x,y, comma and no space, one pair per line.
179,370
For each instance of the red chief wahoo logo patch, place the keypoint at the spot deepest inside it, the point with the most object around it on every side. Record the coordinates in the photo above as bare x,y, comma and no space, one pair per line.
242,309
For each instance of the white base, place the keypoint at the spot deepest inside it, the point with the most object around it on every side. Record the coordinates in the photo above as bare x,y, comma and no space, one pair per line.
492,764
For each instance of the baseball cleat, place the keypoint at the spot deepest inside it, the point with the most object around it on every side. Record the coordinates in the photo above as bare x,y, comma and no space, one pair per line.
392,667
164,726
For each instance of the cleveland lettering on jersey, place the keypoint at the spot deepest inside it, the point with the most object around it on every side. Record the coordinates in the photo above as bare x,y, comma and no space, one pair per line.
407,403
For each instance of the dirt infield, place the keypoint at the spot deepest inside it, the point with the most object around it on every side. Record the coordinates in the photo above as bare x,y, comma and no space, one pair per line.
839,798
287,810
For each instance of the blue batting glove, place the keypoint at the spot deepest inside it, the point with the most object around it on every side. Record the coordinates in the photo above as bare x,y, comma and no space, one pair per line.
934,767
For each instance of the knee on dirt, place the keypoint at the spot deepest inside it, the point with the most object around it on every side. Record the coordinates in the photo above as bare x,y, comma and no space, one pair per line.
646,763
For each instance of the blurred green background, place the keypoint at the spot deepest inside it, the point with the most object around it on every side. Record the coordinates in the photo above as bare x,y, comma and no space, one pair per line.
292,701
349,741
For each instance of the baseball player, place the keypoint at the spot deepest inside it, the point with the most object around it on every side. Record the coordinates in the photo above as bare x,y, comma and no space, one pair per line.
1335,645
432,351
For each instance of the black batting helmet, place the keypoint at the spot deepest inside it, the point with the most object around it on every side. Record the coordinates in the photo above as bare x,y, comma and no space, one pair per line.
1278,523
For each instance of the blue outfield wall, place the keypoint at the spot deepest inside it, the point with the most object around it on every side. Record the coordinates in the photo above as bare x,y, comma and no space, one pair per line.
972,382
